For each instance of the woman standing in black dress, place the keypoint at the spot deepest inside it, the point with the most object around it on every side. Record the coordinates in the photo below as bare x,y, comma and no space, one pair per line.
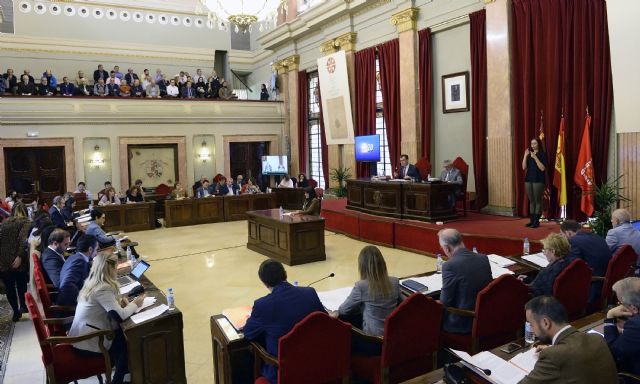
534,163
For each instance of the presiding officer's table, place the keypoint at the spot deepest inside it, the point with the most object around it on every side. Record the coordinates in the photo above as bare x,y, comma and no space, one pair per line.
129,217
403,199
291,239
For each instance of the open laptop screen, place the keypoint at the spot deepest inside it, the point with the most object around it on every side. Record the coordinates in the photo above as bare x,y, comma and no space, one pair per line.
140,269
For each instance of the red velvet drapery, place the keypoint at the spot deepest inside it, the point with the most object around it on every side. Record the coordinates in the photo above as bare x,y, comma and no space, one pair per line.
561,61
478,43
365,61
303,121
389,56
426,83
323,143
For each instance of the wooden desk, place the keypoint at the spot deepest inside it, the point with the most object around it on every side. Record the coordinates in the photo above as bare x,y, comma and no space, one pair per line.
430,202
292,240
159,200
289,198
232,359
237,206
193,211
129,217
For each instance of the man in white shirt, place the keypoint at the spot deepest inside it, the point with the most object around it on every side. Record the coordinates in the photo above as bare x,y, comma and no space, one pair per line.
172,89
82,188
286,182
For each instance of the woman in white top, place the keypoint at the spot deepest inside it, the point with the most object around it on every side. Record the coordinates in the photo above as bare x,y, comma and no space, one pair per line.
109,197
101,307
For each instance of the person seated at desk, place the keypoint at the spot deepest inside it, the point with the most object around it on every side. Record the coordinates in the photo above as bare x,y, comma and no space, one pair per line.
589,247
52,258
75,270
302,181
100,307
221,188
56,212
250,187
622,326
622,232
205,190
103,191
134,195
463,276
237,184
109,197
275,314
82,188
375,295
179,192
565,354
556,250
312,205
407,171
67,210
286,182
138,183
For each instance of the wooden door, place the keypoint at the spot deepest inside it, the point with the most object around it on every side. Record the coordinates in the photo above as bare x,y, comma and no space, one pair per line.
35,172
246,158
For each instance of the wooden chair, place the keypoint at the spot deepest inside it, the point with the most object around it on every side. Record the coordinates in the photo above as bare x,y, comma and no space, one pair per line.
572,286
461,165
315,351
62,362
424,167
163,189
498,318
409,345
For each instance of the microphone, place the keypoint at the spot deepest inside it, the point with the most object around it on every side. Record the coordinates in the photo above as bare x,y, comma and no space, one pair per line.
324,278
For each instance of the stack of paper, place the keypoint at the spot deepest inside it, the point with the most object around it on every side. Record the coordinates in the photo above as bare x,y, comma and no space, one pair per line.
500,261
149,314
331,300
497,271
501,371
127,288
432,282
538,259
148,301
237,316
525,360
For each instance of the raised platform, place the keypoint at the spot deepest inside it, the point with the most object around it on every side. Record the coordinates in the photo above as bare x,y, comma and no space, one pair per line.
489,233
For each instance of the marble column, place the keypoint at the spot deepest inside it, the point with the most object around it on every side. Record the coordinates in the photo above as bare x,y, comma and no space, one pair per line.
405,22
292,64
283,84
499,105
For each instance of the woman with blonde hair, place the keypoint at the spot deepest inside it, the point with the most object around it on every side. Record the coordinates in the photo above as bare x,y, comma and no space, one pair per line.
556,248
375,296
101,307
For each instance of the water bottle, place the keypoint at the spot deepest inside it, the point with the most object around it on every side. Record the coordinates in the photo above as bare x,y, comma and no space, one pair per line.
171,301
475,250
130,257
30,212
525,246
529,336
439,262
118,246
281,212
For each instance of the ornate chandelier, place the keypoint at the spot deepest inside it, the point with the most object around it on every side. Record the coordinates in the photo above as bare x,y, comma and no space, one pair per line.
243,14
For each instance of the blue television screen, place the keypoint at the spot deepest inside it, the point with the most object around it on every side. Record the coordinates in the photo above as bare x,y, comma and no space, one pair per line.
368,148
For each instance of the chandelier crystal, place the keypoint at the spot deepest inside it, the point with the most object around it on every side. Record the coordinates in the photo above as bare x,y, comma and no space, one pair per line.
243,14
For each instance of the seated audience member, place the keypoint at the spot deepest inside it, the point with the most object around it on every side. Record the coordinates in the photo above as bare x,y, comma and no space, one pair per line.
83,88
264,93
286,182
302,181
113,78
100,73
14,258
214,82
145,82
221,188
556,250
205,190
124,90
198,77
25,87
275,314
67,88
82,188
103,191
79,78
145,73
162,85
622,232
230,186
44,89
138,183
130,76
236,186
589,247
27,72
134,195
159,75
3,86
136,89
110,197
52,258
188,92
99,302
198,183
464,275
312,204
250,187
172,89
51,79
75,270
179,192
225,92
622,326
100,88
201,88
182,78
11,81
119,75
566,355
56,212
152,90
375,296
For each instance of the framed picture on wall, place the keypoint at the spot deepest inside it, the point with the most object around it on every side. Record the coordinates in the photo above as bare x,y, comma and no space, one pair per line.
455,92
154,164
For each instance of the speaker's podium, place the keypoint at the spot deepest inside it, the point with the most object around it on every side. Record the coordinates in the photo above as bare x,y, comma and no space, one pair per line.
232,358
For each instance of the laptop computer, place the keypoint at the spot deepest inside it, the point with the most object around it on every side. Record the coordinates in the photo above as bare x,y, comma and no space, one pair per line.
135,274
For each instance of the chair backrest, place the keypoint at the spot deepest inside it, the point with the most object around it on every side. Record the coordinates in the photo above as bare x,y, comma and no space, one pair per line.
316,350
312,183
163,189
462,165
619,266
319,193
499,310
571,288
42,331
411,336
43,291
424,167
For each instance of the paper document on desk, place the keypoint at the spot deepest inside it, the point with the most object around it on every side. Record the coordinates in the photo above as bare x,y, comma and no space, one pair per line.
127,288
149,314
147,302
497,271
500,261
538,259
331,300
502,371
433,282
525,360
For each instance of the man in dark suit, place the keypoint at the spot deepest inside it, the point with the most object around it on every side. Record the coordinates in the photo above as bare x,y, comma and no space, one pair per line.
464,275
566,355
56,212
11,81
406,171
75,271
130,76
589,247
100,73
52,258
67,88
625,343
221,188
204,190
277,313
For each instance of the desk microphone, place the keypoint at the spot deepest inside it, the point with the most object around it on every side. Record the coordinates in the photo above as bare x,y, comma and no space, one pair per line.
324,278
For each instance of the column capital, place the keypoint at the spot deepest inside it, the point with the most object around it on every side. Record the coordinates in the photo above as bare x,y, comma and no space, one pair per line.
489,1
328,47
279,67
347,41
292,63
405,20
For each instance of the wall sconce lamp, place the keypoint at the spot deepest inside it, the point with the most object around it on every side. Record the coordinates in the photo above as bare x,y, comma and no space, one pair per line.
96,160
204,154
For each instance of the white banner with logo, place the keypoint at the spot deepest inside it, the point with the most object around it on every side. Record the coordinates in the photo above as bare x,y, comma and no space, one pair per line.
336,98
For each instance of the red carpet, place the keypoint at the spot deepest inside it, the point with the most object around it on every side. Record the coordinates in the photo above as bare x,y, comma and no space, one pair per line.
489,233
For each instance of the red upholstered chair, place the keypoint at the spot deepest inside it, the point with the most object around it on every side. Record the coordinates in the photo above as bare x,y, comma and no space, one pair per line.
460,164
312,183
62,363
571,288
424,167
409,345
50,310
315,351
163,189
498,317
319,193
622,262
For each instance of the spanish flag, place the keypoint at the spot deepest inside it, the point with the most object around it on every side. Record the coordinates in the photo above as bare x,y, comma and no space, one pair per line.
584,175
560,173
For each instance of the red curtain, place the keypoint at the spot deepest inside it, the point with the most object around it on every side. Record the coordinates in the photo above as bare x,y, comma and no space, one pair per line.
365,61
303,121
323,143
479,105
561,62
389,56
425,80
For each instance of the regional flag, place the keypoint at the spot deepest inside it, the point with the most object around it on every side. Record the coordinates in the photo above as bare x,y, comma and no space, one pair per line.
584,176
560,173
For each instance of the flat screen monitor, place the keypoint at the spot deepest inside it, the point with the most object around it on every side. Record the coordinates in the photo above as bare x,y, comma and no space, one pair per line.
275,165
368,148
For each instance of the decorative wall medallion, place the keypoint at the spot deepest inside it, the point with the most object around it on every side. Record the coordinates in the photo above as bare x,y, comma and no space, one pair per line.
138,17
187,21
125,16
175,20
83,12
98,13
163,19
24,7
69,10
150,18
40,8
112,14
55,9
